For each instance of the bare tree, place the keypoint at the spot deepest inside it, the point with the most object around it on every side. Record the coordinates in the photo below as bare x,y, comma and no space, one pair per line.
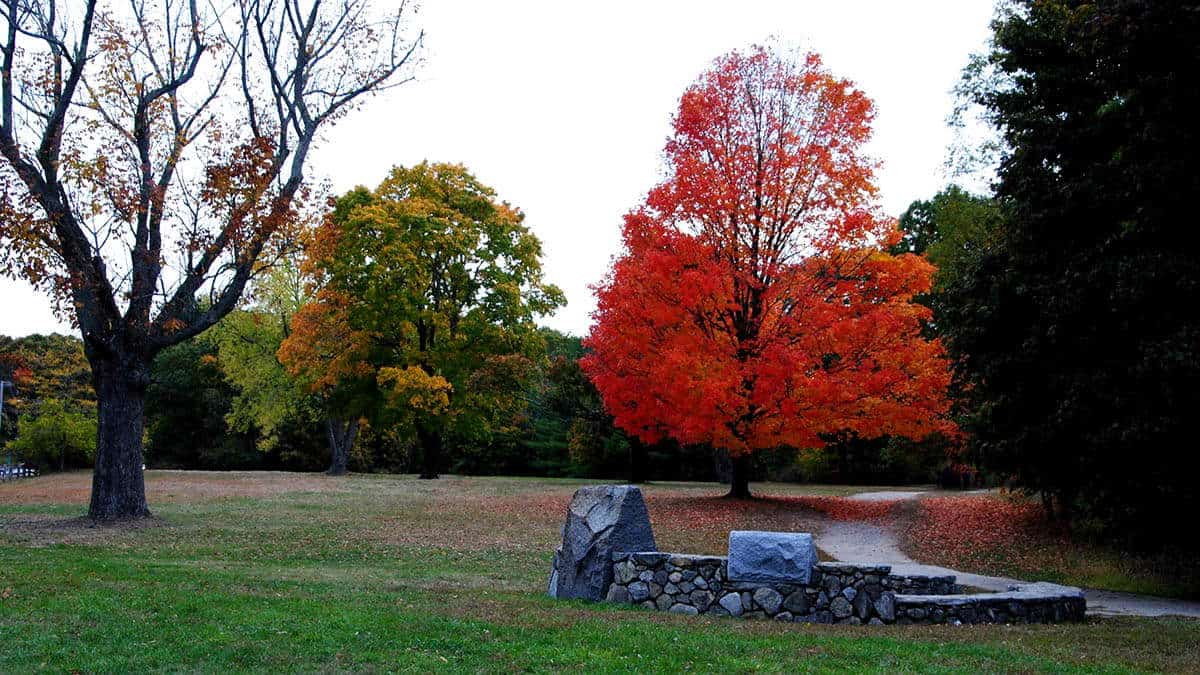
153,163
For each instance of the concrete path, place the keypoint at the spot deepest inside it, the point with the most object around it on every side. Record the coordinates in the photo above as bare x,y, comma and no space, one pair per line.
868,542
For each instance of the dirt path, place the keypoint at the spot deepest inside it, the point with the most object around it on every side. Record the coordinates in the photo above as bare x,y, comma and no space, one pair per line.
868,542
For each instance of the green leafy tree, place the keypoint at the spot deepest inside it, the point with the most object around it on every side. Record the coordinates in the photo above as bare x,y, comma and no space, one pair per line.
187,403
57,436
951,229
1079,326
44,368
269,401
429,287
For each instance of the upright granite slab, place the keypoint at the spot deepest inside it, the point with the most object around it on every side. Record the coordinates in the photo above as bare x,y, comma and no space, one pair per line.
771,557
601,521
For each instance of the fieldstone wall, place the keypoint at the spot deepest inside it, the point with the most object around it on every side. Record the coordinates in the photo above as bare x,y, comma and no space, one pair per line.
1030,603
841,593
690,584
917,584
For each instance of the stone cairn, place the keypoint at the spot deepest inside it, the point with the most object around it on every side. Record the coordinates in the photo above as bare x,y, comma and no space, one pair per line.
608,553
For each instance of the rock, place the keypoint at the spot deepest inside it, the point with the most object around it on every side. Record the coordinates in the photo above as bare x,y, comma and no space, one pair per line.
674,577
771,556
646,576
783,616
840,606
670,588
701,599
862,605
796,603
824,617
601,520
917,613
732,602
885,606
649,604
663,602
681,608
700,583
768,599
625,572
686,587
849,593
875,622
832,585
618,593
655,589
639,591
854,621
552,584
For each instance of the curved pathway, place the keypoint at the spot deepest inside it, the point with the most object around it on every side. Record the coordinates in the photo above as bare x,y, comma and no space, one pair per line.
868,542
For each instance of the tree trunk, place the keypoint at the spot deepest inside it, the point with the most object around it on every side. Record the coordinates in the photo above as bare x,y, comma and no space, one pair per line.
118,487
637,461
341,435
739,485
431,451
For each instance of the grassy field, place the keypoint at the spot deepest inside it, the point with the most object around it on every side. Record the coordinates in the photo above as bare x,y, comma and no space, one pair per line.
1009,535
270,572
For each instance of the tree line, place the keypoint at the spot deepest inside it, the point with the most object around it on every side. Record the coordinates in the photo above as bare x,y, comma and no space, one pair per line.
1044,330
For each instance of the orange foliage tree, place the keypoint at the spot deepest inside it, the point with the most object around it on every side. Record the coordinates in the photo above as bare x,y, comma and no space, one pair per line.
152,161
755,305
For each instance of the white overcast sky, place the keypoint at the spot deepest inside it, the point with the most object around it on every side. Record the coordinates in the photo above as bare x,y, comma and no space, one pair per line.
563,107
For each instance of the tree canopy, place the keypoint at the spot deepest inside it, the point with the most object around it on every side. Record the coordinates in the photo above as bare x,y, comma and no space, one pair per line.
153,156
754,305
1078,327
428,291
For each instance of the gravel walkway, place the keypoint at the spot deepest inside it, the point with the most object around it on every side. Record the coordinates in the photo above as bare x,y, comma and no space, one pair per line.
867,542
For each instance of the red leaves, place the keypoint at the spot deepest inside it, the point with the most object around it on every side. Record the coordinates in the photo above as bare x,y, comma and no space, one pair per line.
840,508
981,533
753,306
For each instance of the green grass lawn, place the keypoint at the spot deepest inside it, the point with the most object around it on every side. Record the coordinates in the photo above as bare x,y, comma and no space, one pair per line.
296,572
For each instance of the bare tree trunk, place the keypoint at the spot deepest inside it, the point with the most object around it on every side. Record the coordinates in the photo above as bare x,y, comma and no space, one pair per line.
118,486
431,451
341,435
739,485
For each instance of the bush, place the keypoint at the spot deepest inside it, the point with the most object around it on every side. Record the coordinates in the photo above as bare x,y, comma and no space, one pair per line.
56,437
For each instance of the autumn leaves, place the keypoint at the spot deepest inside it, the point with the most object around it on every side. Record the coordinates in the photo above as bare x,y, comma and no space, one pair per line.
754,305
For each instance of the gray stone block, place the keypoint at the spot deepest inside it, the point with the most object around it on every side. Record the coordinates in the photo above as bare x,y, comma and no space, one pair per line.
601,520
732,602
768,599
885,606
840,607
618,594
771,557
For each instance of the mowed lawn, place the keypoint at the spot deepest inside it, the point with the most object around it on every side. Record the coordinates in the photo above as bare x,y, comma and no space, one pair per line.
299,572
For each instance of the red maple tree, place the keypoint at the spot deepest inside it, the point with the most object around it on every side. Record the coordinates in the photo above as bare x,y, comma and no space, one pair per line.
755,305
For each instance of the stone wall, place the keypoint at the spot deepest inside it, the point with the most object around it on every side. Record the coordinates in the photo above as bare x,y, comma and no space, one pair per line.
835,593
1030,603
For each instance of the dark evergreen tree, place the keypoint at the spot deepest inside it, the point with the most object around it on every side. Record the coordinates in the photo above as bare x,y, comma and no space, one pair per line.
1079,327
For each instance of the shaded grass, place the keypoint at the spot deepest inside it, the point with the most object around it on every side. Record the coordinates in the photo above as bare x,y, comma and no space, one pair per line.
1008,535
390,573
